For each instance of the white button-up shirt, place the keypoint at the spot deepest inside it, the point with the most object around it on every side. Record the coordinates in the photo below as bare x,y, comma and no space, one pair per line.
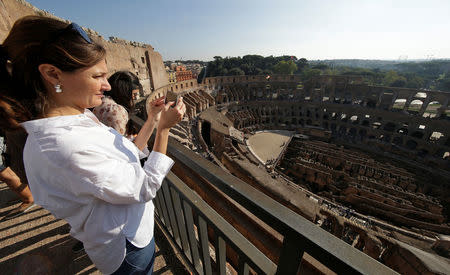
89,175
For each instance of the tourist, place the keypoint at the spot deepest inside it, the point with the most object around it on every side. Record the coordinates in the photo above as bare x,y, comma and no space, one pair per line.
11,166
119,102
82,171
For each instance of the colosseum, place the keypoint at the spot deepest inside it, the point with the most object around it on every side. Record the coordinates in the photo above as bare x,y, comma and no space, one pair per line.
368,164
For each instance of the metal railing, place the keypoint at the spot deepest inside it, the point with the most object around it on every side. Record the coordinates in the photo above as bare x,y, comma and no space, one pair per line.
208,241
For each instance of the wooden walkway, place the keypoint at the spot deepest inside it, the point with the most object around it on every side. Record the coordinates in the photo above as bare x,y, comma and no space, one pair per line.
37,243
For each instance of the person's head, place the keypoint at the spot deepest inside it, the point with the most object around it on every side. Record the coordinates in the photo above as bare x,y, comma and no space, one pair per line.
41,53
125,88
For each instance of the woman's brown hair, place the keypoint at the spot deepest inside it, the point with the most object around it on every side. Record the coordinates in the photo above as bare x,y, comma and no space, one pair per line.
35,40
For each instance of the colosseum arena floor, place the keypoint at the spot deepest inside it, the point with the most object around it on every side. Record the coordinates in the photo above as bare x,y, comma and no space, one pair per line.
266,145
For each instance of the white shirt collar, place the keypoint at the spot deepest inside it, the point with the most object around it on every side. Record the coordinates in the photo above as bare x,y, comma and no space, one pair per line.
37,125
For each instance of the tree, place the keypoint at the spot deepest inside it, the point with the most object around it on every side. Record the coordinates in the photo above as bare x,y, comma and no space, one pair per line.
221,71
321,66
443,82
393,79
309,73
445,85
285,67
246,68
414,81
301,64
236,71
399,82
258,71
267,72
253,60
330,72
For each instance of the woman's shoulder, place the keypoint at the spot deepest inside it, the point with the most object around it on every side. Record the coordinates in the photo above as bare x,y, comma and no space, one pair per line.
61,145
108,106
72,134
117,107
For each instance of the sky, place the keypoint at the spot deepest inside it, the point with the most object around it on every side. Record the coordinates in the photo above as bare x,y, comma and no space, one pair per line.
320,29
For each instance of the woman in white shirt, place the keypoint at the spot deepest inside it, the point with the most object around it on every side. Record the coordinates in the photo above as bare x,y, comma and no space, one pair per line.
79,169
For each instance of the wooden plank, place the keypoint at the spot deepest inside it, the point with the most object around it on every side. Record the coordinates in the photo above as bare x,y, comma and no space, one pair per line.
172,219
291,255
221,254
157,205
204,244
162,201
180,221
191,234
243,268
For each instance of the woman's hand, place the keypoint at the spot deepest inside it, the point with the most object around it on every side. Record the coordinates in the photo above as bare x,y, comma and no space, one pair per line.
171,116
155,108
153,115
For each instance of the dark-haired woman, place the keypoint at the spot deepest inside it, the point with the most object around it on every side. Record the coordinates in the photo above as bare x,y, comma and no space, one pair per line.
79,169
119,102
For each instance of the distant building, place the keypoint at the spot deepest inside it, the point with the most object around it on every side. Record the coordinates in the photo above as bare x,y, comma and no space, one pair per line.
178,71
172,76
182,74
195,68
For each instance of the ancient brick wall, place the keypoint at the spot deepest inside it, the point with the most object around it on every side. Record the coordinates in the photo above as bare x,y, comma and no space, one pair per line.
158,71
10,11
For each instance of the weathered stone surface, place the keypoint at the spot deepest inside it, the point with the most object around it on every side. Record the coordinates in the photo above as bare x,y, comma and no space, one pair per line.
136,57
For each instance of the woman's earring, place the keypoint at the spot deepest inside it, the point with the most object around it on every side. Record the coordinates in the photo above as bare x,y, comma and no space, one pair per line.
58,88
9,67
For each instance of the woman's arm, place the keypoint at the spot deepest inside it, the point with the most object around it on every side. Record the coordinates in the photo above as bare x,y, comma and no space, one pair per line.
89,171
169,118
153,116
144,134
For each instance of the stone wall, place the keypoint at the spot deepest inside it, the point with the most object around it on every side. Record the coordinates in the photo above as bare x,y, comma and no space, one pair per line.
10,11
136,57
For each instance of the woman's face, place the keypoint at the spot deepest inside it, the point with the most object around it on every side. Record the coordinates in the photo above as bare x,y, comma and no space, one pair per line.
84,88
135,94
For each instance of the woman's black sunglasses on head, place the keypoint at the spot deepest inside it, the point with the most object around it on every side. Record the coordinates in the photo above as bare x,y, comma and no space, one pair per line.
80,31
70,28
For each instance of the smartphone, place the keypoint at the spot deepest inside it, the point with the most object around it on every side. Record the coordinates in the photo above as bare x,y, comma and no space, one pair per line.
171,96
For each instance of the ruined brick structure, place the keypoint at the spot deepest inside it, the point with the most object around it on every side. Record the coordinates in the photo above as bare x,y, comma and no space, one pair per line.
371,163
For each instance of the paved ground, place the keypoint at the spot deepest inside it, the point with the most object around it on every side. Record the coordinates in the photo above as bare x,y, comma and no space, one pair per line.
268,144
37,243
